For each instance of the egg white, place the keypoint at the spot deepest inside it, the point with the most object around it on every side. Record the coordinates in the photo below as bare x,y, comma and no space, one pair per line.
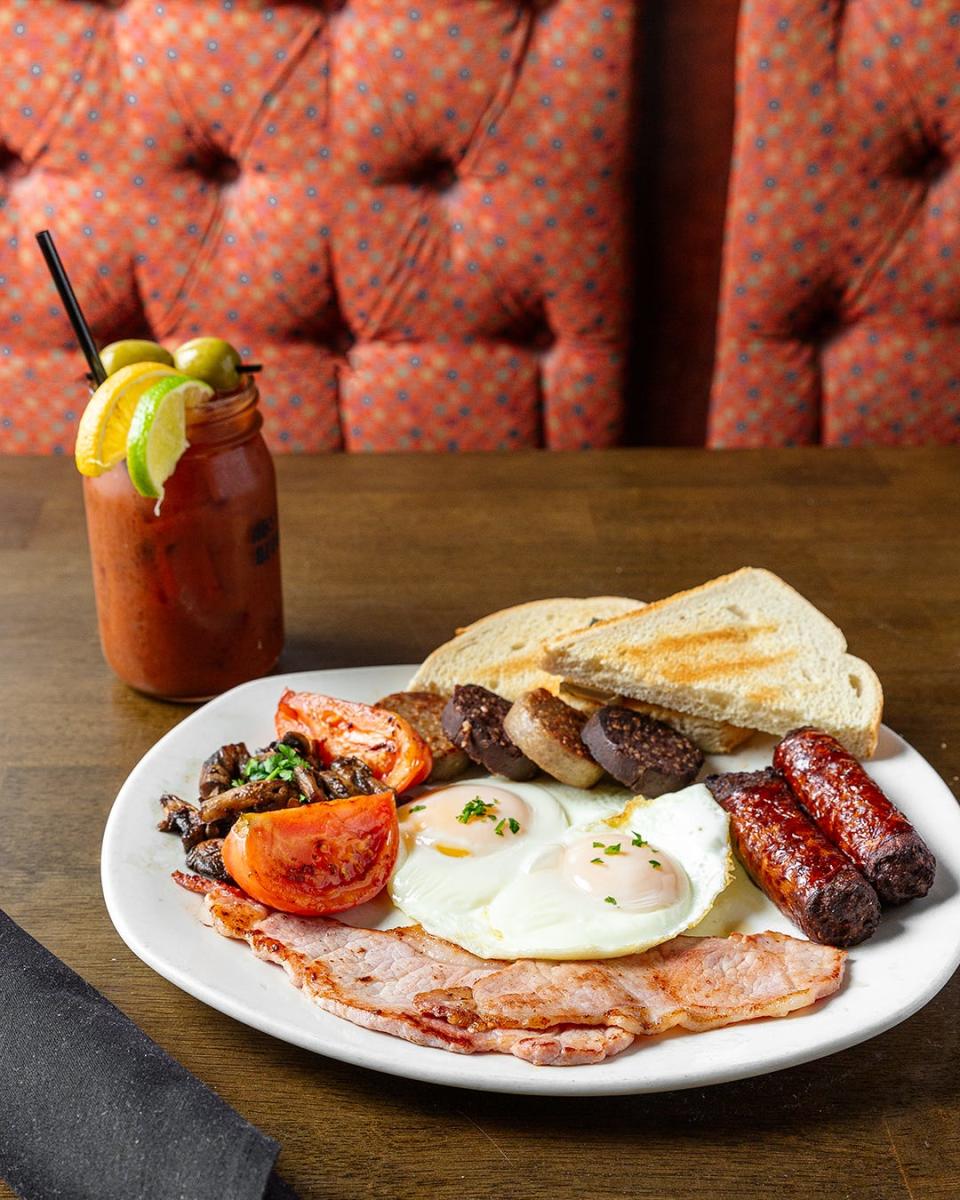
538,914
449,896
518,903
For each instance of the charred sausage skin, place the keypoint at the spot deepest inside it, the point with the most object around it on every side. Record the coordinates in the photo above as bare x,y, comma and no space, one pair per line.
852,811
792,862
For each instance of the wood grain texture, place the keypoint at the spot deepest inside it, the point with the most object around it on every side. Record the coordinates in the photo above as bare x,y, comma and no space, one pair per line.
383,557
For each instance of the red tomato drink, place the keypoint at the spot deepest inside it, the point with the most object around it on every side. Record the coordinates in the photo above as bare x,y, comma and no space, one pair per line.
188,599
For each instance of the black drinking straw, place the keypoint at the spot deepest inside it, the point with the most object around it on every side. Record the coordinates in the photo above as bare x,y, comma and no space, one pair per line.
72,305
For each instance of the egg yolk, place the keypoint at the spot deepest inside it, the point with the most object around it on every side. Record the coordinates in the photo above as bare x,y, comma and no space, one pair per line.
470,819
614,871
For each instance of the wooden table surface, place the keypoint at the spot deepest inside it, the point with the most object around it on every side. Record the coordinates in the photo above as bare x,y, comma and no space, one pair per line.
382,559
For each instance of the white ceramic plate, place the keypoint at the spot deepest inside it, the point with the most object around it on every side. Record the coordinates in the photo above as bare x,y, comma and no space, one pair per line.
902,967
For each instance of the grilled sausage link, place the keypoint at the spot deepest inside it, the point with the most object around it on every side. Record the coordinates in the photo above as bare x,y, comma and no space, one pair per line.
846,805
792,862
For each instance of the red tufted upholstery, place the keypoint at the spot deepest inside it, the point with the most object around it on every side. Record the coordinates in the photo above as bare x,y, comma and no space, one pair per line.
410,210
841,293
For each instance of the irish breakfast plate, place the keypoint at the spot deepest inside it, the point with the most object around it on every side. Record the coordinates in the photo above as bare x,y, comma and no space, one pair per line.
890,977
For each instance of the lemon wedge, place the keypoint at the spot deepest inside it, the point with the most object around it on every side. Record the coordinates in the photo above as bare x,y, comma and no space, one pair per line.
157,436
102,432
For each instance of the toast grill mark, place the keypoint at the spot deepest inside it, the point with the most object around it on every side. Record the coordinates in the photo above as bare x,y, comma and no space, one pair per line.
700,672
700,654
522,662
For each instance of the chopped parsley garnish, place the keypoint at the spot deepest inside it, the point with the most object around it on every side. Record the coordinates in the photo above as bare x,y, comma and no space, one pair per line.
279,764
653,863
598,845
609,900
597,860
499,829
512,822
612,849
418,808
477,808
638,839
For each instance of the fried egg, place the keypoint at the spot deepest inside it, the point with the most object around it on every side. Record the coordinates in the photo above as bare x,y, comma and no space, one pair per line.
616,886
527,871
459,846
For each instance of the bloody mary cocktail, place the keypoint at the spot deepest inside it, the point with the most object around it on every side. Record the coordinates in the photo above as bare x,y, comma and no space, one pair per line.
188,590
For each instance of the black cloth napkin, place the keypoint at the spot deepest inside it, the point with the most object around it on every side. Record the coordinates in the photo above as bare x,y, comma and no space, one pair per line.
91,1107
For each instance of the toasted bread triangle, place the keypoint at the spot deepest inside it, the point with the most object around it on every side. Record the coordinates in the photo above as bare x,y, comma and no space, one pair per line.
502,651
745,648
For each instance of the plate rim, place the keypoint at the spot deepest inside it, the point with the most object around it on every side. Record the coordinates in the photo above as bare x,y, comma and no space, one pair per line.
584,1081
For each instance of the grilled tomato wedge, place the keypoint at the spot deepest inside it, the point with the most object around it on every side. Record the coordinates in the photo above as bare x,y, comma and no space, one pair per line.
317,858
389,745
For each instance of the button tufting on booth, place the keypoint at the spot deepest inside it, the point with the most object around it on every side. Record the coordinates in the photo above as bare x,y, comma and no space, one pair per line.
413,216
840,310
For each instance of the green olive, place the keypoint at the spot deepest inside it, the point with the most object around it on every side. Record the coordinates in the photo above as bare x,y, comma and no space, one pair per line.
211,359
133,350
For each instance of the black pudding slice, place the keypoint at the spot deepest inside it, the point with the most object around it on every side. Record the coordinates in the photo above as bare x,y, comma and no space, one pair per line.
640,752
473,720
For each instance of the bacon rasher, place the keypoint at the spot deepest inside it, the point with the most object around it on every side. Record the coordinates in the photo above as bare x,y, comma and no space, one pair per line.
415,986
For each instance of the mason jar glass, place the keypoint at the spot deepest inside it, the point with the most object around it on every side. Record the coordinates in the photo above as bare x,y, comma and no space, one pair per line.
188,596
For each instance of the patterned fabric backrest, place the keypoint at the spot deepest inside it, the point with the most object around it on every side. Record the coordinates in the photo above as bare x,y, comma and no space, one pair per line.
841,291
410,211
